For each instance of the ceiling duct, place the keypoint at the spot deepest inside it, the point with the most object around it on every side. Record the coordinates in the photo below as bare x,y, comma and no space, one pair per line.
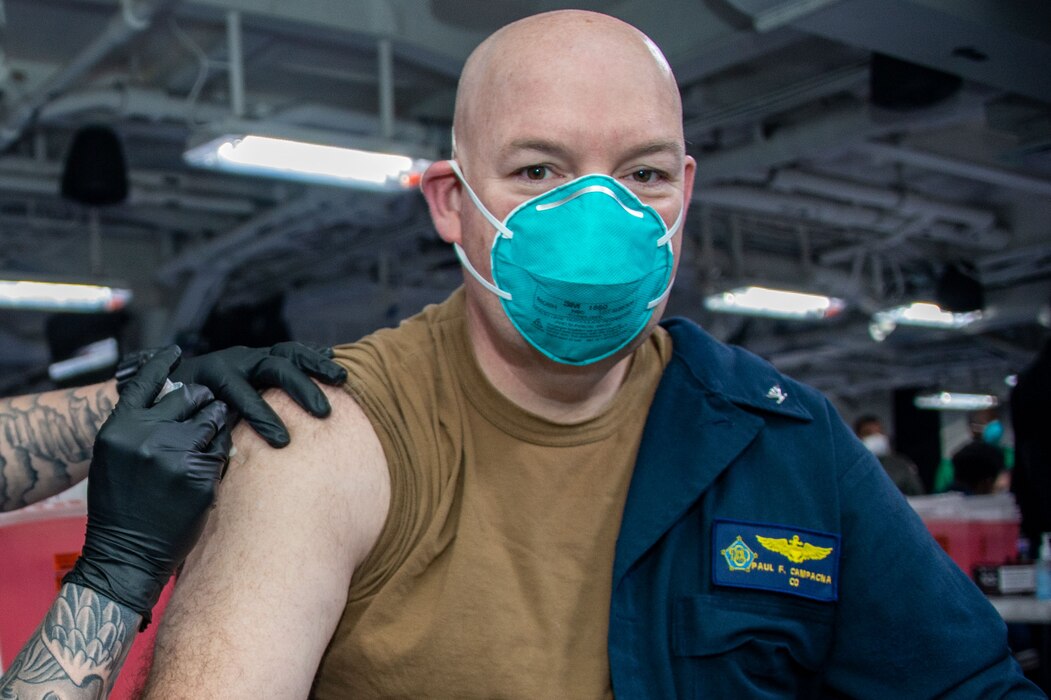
959,291
95,173
992,42
119,31
902,86
480,15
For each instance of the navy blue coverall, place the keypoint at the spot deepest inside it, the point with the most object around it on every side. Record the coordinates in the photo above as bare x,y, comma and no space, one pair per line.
764,553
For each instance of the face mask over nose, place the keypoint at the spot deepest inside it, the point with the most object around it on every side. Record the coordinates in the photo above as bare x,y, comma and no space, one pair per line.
878,444
580,268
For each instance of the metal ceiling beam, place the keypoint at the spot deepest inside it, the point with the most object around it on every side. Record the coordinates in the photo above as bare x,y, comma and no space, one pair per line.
754,109
1003,44
120,29
737,48
901,201
768,15
1013,265
237,243
889,222
29,176
883,152
832,134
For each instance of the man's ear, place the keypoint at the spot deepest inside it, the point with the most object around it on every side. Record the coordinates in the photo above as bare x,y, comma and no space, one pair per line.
689,172
443,193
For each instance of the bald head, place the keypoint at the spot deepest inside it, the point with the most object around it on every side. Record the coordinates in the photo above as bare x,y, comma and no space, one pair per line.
568,53
543,102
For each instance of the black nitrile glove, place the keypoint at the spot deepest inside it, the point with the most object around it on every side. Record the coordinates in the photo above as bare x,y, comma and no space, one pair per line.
152,481
234,375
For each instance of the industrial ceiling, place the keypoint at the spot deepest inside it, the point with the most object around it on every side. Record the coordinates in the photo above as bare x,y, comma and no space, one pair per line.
859,148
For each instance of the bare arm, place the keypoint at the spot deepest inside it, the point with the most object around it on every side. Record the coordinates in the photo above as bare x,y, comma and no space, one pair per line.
46,440
263,591
78,650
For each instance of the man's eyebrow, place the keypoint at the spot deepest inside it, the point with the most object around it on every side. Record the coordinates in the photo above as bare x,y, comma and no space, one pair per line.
540,145
670,147
557,150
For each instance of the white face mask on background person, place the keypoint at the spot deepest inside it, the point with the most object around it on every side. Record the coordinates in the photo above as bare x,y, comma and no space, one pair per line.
877,443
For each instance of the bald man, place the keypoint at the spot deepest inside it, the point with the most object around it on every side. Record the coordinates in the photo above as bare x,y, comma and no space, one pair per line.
532,490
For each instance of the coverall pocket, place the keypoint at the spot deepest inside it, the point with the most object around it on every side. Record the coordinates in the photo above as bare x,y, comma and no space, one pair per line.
755,646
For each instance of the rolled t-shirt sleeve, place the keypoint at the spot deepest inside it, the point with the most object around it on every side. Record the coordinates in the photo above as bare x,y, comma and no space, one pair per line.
397,392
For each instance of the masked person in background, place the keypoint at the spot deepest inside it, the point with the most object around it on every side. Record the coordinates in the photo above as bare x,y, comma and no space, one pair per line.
901,470
152,482
533,490
987,428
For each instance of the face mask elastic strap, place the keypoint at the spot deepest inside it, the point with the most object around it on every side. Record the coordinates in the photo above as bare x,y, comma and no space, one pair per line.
666,240
674,228
664,294
462,255
497,224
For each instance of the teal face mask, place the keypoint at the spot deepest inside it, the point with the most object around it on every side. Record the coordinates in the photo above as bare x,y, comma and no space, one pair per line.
993,432
579,268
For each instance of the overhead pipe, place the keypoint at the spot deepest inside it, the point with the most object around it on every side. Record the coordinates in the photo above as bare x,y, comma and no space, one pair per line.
905,203
846,78
767,16
120,29
235,70
154,105
835,132
33,177
211,264
883,152
799,207
238,239
839,214
385,56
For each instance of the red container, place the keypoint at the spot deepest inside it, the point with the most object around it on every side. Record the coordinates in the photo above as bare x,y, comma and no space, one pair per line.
973,542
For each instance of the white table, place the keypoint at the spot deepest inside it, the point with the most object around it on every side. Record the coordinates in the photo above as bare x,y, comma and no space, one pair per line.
1022,609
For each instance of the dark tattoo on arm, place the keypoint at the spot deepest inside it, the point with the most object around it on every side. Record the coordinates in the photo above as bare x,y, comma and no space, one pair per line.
45,446
77,652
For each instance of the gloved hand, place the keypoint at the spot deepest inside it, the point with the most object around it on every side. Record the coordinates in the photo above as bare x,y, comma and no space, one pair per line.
234,375
152,482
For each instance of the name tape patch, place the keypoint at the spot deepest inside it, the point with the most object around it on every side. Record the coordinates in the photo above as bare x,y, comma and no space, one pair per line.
776,558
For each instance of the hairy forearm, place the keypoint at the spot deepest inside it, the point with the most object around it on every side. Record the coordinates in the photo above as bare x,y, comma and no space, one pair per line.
46,441
77,652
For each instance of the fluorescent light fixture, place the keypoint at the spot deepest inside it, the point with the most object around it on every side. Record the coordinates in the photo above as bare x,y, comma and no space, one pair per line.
90,358
774,303
308,162
953,401
61,296
929,315
919,313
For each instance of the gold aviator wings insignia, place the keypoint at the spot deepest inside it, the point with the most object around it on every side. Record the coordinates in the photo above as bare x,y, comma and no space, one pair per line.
795,550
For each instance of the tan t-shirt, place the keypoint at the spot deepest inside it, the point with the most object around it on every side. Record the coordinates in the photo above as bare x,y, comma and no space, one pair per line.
491,578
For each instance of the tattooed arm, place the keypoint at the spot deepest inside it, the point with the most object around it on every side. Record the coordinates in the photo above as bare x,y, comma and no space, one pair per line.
153,474
78,650
46,439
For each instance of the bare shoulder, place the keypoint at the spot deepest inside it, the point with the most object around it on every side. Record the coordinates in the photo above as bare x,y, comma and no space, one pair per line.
289,527
337,462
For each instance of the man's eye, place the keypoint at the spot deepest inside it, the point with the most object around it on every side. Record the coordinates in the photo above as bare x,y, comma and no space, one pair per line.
644,175
536,172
